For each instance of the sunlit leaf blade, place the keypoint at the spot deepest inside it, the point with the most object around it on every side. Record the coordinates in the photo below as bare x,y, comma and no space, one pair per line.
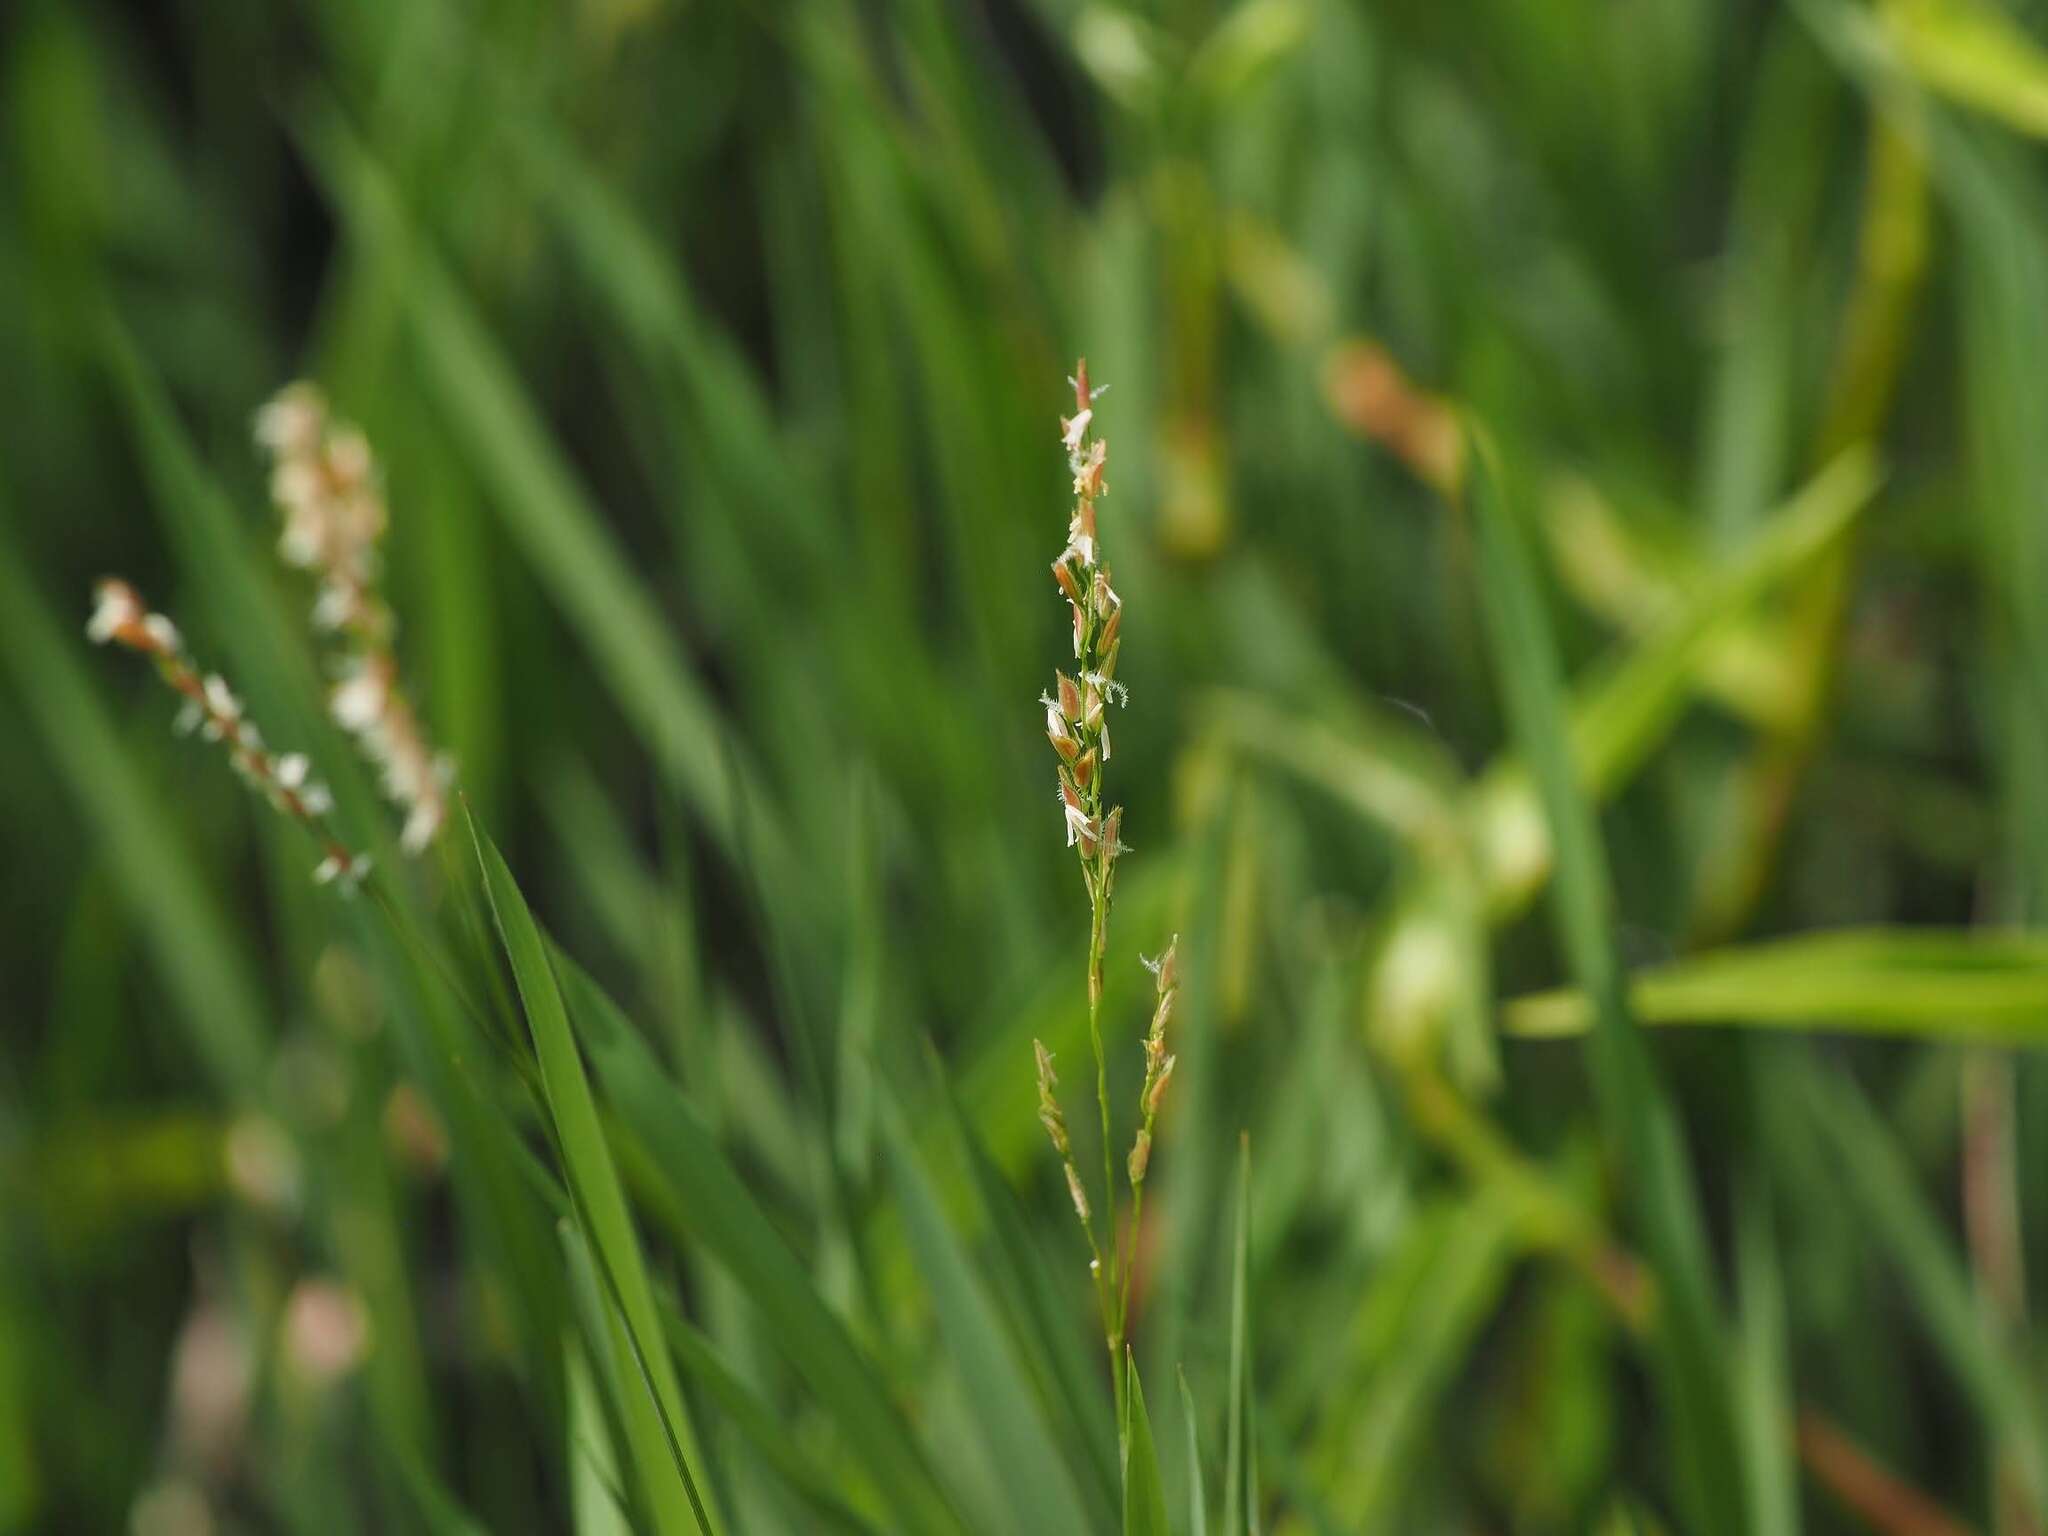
1925,982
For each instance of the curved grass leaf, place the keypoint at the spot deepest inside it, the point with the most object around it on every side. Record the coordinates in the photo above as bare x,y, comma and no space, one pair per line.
658,1432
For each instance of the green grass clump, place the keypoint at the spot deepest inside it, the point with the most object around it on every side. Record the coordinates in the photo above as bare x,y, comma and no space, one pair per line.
1578,490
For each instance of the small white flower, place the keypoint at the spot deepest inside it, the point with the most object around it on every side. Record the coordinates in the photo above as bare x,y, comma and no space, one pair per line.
1080,826
291,769
358,702
295,486
348,456
188,718
290,422
317,798
163,634
420,826
299,543
221,701
1073,429
117,608
335,606
344,875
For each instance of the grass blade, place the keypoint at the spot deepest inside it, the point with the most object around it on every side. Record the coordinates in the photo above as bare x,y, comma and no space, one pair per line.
1238,1515
1198,1497
188,936
1877,1178
1020,1446
658,1432
704,1199
1645,1136
1144,1495
1932,983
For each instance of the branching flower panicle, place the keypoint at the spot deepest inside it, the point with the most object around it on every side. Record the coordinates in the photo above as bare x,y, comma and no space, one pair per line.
325,483
121,617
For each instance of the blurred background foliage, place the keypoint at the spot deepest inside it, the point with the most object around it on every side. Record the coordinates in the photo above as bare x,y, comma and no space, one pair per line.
714,356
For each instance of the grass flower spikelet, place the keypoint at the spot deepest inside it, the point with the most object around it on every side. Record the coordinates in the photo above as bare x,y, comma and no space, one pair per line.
120,617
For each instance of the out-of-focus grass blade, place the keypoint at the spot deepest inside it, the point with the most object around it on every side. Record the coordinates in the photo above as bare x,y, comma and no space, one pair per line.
194,947
765,1429
1645,1136
1198,1497
659,1435
1414,1326
1764,1386
1020,1447
546,509
1238,1451
598,1487
1625,710
1976,54
1877,1177
706,1200
1144,1494
1927,982
1039,1310
595,1496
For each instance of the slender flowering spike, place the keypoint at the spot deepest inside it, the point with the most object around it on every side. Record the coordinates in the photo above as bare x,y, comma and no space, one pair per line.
119,615
1152,1099
1077,724
325,483
1158,1065
1049,1112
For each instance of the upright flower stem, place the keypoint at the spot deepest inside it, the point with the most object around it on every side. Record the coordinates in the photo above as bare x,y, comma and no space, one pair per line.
1106,1280
1076,722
